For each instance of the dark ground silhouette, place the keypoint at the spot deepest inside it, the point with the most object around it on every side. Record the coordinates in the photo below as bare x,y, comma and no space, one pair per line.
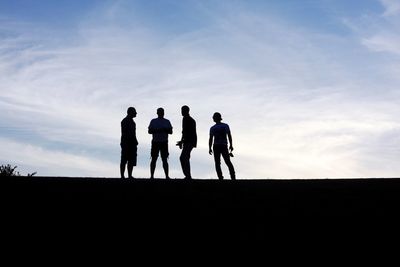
210,215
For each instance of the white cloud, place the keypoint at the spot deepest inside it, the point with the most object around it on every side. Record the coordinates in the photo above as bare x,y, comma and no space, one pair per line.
299,104
384,43
30,158
380,33
392,7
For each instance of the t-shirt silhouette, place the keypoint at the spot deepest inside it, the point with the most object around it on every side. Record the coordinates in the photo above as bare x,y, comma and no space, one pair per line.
219,131
189,131
128,132
162,126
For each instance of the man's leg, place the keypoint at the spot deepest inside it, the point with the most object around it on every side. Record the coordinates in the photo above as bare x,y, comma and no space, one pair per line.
185,160
130,168
165,167
122,167
154,157
123,162
132,161
227,159
164,156
217,160
152,167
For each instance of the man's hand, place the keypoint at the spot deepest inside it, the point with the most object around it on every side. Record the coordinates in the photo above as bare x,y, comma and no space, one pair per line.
179,143
210,151
230,148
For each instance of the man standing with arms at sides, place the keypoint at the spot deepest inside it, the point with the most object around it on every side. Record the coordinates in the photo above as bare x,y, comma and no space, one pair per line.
188,140
160,128
129,143
219,133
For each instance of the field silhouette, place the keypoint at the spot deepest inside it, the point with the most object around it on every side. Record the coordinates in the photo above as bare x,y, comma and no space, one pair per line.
146,209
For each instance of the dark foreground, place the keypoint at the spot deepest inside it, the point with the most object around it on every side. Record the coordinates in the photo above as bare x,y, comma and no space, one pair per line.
193,210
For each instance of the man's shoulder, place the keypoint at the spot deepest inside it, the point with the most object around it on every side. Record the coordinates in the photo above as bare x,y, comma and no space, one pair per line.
125,120
220,125
167,121
214,127
160,121
191,119
188,119
224,125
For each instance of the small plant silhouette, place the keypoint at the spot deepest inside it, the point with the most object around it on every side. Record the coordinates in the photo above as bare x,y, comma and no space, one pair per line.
8,170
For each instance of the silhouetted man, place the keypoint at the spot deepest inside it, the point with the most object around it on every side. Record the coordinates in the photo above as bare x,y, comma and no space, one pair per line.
129,143
188,140
159,128
219,133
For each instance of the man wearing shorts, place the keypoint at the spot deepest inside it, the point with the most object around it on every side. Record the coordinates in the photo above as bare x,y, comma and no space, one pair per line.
129,143
160,128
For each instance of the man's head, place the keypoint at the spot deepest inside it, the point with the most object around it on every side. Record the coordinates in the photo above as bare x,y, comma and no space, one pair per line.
160,112
217,117
131,112
185,110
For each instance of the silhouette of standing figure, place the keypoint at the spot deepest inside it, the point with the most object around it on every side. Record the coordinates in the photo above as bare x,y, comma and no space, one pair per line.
159,128
218,134
188,140
129,143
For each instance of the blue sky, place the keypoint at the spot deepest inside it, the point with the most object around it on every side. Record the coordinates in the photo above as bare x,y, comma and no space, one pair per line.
309,88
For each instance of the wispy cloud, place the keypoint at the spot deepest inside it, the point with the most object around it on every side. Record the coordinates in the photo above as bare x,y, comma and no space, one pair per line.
300,103
392,7
384,43
380,32
30,158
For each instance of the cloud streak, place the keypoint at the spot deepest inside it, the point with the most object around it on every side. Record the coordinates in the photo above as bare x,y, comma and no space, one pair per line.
300,104
392,7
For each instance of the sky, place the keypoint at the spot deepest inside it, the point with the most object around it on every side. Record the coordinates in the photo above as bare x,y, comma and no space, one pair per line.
309,88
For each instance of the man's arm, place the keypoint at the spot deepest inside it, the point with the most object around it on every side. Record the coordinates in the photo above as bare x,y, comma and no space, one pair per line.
151,129
230,142
124,130
194,133
179,143
134,134
169,129
160,130
184,125
210,142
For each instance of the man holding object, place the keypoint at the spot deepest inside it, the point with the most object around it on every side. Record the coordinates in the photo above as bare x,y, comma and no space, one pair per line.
188,140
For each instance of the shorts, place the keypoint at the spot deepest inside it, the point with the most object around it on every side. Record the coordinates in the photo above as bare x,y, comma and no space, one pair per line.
159,147
129,153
